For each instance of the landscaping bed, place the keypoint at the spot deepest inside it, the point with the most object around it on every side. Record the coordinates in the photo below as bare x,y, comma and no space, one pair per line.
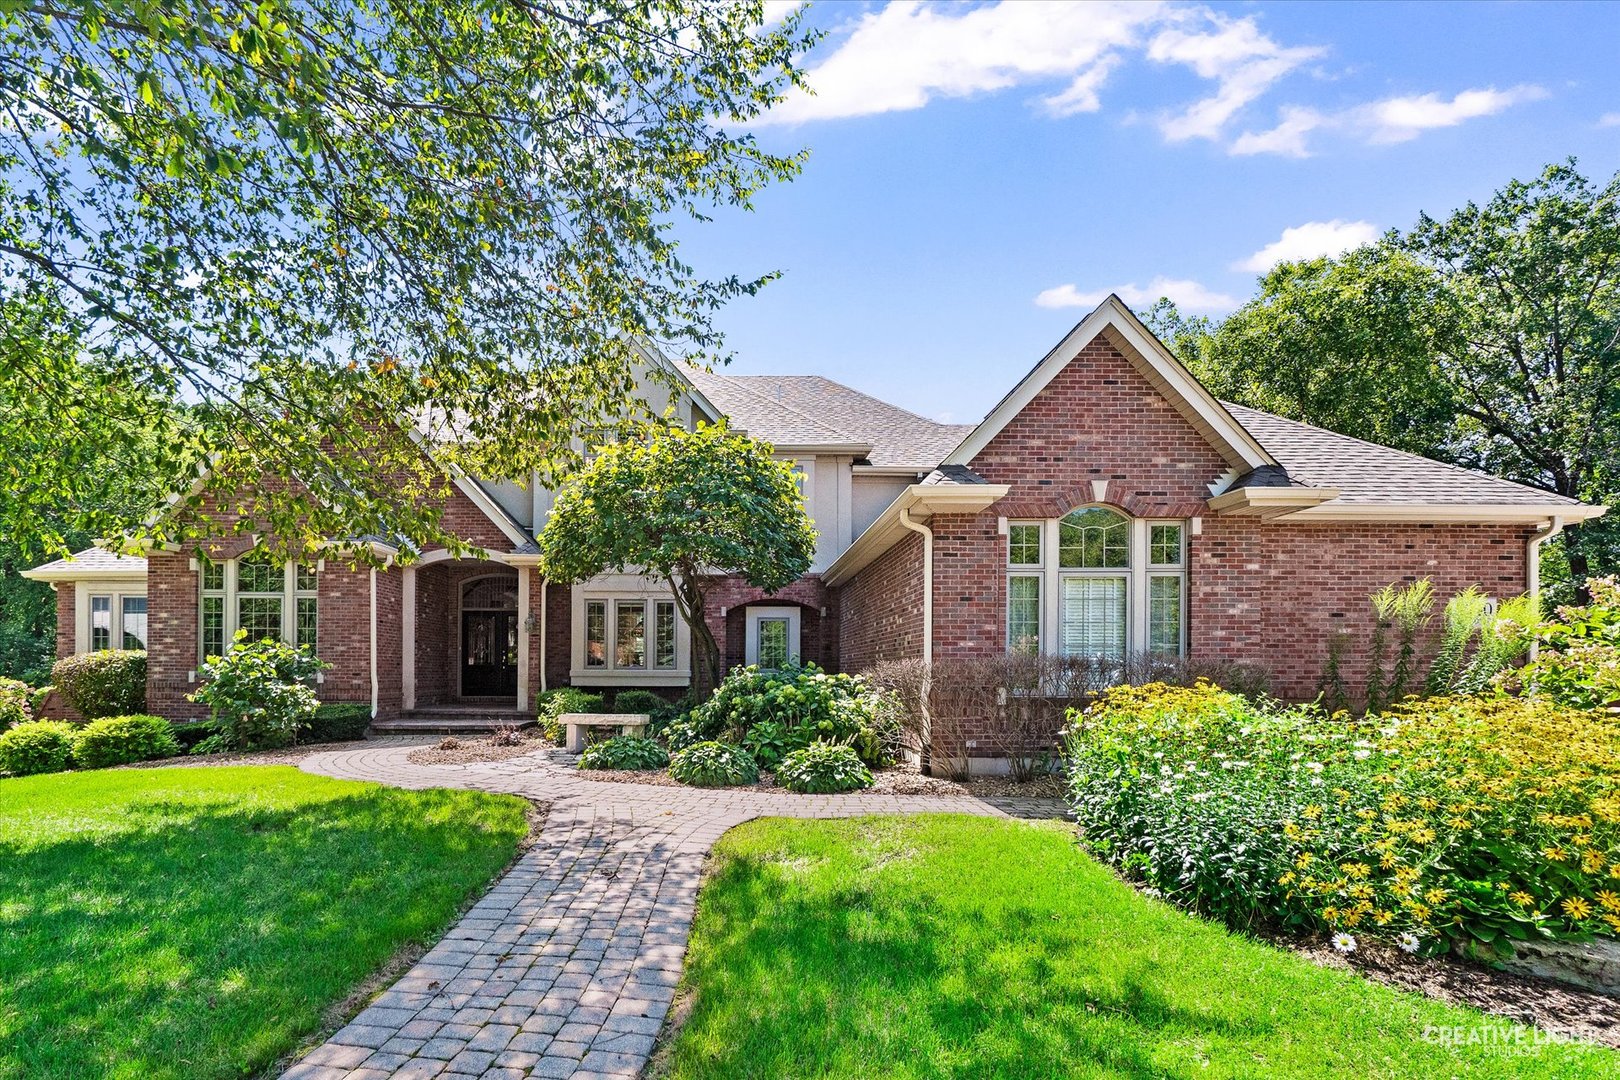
897,780
472,749
852,949
207,922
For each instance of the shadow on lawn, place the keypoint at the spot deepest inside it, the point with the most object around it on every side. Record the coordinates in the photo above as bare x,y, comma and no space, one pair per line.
818,967
201,937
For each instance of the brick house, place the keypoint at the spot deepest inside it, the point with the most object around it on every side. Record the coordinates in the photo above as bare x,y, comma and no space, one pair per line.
1108,505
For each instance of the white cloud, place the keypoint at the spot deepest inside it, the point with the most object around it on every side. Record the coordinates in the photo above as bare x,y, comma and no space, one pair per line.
911,52
1392,120
1189,296
1609,120
1237,56
777,10
1402,118
1310,241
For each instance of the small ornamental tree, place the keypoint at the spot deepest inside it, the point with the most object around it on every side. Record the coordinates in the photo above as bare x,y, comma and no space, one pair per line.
684,506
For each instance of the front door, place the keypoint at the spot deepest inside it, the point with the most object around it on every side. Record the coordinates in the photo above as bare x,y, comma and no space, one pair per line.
489,653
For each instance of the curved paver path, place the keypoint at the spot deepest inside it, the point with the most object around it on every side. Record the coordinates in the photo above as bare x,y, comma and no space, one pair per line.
567,966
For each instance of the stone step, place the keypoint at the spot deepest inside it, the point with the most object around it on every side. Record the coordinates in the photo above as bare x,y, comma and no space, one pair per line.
452,721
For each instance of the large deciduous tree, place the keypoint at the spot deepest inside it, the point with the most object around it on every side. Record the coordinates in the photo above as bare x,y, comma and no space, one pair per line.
308,221
1489,338
684,506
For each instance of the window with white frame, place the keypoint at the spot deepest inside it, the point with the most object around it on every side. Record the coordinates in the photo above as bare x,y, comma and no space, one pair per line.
116,620
257,594
1096,583
630,635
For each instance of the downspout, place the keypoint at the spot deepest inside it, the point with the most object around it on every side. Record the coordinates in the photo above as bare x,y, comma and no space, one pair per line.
374,691
928,634
1532,564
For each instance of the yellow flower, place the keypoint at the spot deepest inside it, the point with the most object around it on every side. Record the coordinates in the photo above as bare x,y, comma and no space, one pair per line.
1592,861
1435,896
1286,879
1330,913
1609,900
1613,921
1384,917
1522,898
1422,835
1576,907
1356,869
1554,854
1311,813
1304,860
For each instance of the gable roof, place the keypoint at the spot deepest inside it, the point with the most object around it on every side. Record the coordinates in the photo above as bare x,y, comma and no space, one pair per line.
809,411
91,564
1113,320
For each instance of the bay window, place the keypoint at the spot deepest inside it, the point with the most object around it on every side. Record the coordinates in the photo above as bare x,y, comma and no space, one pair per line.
1096,583
643,632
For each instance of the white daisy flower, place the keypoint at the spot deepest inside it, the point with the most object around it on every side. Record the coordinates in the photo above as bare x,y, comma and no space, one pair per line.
1408,942
1344,943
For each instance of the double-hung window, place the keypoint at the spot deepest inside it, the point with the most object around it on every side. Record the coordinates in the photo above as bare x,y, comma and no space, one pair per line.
259,595
117,621
1096,583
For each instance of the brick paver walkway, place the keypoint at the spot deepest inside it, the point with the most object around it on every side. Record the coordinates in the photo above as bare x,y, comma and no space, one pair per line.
567,966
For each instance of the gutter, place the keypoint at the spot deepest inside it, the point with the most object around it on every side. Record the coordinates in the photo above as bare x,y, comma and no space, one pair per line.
1532,563
907,522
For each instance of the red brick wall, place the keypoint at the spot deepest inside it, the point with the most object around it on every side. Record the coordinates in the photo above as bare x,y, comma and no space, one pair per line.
880,609
559,635
67,628
1275,595
438,625
343,631
171,635
818,638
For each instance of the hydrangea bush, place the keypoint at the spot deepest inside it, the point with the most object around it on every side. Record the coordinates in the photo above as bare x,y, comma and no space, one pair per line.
259,692
1471,821
1578,663
793,707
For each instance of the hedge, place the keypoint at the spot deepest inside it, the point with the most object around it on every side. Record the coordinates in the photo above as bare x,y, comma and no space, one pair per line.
111,682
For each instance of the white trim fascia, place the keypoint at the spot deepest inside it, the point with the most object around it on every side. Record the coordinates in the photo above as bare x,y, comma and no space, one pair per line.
1268,502
1163,370
100,574
823,449
1445,513
918,471
929,499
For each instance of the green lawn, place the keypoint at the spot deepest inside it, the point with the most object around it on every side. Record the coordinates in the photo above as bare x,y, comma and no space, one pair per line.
196,922
942,946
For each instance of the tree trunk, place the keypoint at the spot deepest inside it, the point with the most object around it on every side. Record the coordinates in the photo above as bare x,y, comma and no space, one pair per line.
706,660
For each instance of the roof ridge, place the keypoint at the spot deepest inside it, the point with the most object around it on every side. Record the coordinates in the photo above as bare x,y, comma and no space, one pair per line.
1465,470
858,393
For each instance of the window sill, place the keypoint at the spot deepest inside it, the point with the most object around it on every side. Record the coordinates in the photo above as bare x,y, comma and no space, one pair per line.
610,677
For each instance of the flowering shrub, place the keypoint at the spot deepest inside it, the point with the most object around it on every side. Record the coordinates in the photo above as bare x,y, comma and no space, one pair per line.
714,764
38,746
1452,820
803,704
823,769
259,692
14,703
1579,660
624,752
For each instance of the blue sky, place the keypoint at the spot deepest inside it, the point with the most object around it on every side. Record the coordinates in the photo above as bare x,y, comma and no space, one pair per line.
980,173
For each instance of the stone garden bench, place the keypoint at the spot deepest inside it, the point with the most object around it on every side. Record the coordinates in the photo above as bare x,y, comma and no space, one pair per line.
577,722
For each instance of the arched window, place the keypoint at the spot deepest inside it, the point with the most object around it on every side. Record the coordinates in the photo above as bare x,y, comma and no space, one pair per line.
1096,583
490,594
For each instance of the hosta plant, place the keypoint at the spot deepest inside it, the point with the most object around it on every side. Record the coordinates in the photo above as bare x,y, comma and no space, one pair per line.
802,705
823,768
624,752
714,764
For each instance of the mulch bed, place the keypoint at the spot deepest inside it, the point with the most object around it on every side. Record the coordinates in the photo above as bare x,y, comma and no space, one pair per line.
1565,1010
468,750
900,780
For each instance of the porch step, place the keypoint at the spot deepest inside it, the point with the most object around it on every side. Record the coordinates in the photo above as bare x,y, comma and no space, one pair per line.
452,720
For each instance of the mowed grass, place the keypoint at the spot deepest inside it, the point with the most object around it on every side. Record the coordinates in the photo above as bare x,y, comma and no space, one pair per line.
943,946
196,922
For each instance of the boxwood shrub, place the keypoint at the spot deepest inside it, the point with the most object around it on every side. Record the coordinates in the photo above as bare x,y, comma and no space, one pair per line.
38,746
624,752
338,721
111,682
714,764
120,740
823,768
1452,821
14,708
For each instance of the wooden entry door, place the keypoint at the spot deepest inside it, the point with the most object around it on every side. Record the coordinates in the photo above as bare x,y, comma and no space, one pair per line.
489,653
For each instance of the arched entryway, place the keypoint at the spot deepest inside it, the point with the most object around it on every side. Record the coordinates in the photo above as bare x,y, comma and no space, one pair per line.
489,636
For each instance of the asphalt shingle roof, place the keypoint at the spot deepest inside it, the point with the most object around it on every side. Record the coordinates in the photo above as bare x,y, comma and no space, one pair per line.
1366,473
809,409
95,560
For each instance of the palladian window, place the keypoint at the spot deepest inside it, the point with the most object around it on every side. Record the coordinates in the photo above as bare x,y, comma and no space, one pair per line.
1111,586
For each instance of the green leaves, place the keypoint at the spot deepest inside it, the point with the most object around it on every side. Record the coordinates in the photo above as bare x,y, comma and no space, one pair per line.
340,234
